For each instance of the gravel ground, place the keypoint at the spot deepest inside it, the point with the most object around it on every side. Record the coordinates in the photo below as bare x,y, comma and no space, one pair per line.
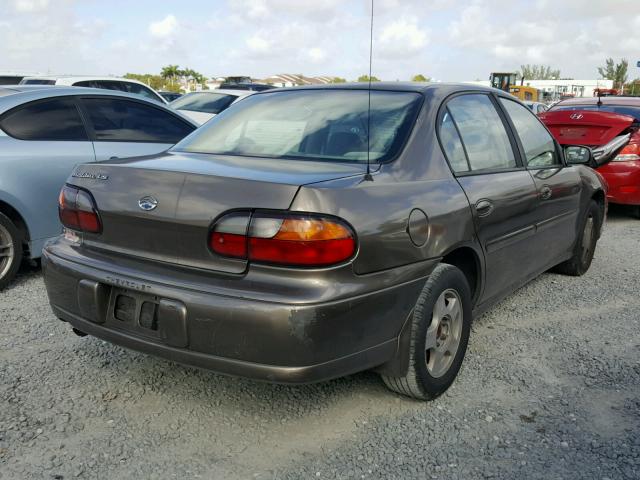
550,389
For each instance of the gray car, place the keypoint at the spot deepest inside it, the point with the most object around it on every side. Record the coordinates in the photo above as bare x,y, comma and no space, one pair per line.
44,132
301,236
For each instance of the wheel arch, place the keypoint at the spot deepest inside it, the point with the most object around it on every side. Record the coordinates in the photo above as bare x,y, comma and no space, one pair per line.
468,260
18,220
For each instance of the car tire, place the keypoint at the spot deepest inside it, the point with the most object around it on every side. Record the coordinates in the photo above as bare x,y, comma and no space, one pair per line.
636,212
441,319
10,250
585,245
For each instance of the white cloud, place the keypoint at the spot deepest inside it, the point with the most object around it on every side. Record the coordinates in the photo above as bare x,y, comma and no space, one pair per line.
165,27
402,38
315,11
30,5
258,44
317,55
572,39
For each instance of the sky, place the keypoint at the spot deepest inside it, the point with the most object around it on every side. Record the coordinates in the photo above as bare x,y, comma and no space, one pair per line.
448,40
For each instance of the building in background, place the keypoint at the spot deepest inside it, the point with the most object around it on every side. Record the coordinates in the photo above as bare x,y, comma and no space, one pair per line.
294,80
553,90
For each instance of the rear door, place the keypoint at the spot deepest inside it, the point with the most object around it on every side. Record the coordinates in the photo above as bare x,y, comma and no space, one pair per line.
558,187
501,192
40,143
122,127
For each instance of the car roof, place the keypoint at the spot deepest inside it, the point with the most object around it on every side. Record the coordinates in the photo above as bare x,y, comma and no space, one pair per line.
612,100
16,95
69,79
419,87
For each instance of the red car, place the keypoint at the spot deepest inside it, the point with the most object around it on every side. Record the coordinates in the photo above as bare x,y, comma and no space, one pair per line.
611,127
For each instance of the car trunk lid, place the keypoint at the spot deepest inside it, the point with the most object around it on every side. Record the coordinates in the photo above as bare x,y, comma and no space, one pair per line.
585,127
162,207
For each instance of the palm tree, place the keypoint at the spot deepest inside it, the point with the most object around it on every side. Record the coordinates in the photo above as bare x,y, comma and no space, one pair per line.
171,72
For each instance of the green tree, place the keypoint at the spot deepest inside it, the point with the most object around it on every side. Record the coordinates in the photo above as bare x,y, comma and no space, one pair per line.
633,88
615,71
365,78
338,80
171,74
538,72
420,78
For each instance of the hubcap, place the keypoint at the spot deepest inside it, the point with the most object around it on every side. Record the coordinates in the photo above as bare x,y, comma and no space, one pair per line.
444,333
7,251
587,237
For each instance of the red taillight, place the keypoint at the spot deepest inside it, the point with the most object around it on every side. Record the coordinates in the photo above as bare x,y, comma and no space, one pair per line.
629,153
78,211
283,239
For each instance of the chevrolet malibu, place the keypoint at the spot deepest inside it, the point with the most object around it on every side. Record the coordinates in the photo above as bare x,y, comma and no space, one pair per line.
303,235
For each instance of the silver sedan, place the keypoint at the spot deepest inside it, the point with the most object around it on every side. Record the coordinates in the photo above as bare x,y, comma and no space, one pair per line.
44,132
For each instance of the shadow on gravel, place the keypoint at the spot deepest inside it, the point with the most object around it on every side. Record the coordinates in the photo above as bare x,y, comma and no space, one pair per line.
185,384
27,271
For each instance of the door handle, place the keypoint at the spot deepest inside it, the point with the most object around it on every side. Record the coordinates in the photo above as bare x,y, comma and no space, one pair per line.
484,208
113,158
545,192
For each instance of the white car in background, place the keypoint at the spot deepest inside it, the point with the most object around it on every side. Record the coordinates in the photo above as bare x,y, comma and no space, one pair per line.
108,83
203,105
536,107
12,77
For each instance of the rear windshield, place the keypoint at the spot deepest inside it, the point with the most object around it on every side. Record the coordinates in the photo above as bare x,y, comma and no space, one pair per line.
621,109
37,81
204,102
311,125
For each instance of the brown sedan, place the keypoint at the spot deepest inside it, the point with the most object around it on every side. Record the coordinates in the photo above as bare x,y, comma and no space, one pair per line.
301,236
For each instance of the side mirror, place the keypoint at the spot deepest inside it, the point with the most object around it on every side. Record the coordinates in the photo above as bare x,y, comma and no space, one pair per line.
579,155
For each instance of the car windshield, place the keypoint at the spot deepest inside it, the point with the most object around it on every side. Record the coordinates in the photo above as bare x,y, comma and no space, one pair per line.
621,109
204,102
311,125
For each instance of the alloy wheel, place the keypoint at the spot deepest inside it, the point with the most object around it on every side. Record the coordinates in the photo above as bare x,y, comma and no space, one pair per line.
7,251
587,238
444,333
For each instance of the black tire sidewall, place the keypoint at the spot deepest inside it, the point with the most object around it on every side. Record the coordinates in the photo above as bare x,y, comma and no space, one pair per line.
594,210
17,242
449,278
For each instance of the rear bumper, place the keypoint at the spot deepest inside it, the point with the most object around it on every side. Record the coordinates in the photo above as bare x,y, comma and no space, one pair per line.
283,342
623,180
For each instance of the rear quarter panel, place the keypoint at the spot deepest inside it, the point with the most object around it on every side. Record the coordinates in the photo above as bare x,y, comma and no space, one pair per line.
32,174
379,210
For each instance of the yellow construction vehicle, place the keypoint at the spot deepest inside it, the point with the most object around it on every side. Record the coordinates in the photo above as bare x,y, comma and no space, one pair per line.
508,82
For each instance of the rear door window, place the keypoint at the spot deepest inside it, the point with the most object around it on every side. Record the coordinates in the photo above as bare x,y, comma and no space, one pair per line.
538,144
56,119
122,120
483,133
